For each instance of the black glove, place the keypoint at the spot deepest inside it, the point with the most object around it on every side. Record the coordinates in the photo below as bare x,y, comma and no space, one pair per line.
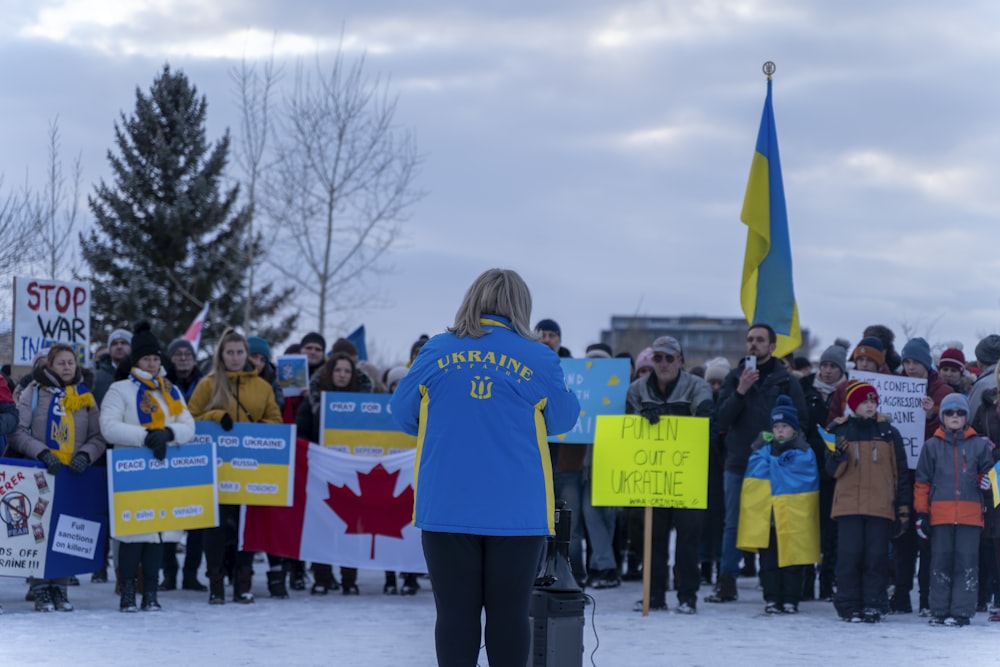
226,422
157,441
51,462
79,462
923,526
902,522
651,414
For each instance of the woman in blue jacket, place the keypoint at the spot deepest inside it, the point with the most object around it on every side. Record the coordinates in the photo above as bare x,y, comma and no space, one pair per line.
482,400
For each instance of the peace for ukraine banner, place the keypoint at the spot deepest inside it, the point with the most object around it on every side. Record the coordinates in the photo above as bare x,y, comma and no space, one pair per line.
600,386
150,496
354,511
54,526
256,462
355,423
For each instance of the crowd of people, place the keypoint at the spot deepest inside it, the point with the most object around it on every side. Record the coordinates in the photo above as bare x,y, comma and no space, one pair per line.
846,519
140,394
860,530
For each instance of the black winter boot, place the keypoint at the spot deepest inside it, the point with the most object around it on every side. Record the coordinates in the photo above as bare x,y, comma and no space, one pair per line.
706,572
127,602
410,584
216,588
241,590
725,591
276,584
349,581
297,575
390,587
149,601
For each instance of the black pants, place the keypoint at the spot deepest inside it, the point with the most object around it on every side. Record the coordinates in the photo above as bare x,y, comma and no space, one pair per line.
470,573
192,557
222,537
687,522
150,554
905,551
781,584
827,538
862,564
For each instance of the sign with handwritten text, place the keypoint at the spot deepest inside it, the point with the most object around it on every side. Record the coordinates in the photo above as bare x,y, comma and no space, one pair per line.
899,397
600,386
48,312
638,464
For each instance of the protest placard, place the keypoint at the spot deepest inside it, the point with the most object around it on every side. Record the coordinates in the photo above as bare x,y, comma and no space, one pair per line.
600,386
148,496
638,464
361,424
47,312
899,397
256,462
54,525
293,374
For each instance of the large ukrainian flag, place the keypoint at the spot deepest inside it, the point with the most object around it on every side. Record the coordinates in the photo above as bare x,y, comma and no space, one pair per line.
766,292
786,485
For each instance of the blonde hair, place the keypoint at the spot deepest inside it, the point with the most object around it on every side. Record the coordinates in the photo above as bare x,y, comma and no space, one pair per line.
222,392
495,292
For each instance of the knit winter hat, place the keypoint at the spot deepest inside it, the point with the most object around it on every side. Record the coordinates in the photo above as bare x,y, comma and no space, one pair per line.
919,351
954,401
144,343
258,345
396,373
858,392
644,360
953,357
717,369
598,351
988,350
120,334
784,411
836,355
870,347
548,325
313,337
178,344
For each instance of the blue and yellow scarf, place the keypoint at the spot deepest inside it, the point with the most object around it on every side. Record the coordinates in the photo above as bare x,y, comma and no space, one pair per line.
150,412
60,427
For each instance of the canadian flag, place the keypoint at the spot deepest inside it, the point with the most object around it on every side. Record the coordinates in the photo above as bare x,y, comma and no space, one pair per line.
348,510
193,333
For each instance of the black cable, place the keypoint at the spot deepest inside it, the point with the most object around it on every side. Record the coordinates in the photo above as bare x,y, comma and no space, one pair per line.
593,614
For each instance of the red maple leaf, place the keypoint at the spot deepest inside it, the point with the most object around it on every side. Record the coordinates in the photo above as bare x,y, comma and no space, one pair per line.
376,510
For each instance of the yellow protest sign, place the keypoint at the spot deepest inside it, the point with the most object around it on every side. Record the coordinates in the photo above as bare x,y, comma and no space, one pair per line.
638,464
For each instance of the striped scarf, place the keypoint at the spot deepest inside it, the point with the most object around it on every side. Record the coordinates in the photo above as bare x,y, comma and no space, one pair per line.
150,412
60,427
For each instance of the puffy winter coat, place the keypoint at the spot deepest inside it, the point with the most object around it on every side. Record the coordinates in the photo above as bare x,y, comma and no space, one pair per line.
947,486
121,427
253,399
870,468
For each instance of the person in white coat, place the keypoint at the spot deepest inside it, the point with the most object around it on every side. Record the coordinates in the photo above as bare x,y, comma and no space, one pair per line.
144,410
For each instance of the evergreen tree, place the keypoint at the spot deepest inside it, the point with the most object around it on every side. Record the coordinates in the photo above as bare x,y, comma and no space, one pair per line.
166,237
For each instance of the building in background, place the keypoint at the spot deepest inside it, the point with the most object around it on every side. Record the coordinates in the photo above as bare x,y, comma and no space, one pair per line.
700,337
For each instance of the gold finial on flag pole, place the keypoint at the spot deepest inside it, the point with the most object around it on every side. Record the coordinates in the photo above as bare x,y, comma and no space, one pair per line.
768,69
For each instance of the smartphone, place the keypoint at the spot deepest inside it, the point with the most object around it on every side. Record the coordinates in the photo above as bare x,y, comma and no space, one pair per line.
750,361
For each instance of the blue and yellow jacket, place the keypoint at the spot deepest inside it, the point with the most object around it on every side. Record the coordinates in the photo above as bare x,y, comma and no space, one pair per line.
482,410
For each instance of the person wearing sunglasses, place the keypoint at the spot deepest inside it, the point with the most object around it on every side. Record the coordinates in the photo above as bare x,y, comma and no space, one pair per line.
671,390
950,480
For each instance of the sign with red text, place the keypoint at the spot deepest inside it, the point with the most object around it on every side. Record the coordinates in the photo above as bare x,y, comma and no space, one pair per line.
48,312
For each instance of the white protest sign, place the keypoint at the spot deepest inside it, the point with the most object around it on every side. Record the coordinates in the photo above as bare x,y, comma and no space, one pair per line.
76,536
47,312
899,397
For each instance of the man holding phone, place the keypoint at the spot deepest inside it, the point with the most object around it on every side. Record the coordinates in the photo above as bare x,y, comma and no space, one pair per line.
746,399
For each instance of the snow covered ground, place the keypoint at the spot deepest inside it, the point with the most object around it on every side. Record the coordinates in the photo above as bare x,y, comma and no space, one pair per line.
378,630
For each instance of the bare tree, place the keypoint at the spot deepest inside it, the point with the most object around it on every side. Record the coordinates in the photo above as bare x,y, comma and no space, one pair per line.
57,209
342,182
19,228
254,91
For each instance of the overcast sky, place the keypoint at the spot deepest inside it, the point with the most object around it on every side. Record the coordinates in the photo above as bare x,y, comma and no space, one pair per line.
602,149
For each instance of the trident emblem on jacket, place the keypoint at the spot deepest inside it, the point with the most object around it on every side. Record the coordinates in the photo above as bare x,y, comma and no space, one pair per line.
482,387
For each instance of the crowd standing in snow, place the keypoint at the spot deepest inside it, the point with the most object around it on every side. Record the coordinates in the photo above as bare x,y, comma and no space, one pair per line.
879,526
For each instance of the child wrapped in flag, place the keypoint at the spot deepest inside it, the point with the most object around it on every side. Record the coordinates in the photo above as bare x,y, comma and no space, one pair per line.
779,508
